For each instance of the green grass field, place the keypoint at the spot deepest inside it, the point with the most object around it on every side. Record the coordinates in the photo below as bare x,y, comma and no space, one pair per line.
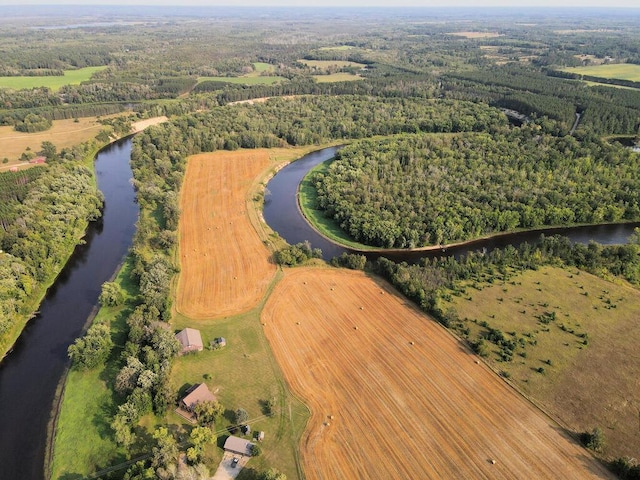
84,441
581,330
71,77
622,71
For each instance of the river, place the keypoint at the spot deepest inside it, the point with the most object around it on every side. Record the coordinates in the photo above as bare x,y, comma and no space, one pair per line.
282,214
30,374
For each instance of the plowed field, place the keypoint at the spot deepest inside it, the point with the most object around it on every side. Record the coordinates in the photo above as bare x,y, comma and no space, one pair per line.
224,266
393,395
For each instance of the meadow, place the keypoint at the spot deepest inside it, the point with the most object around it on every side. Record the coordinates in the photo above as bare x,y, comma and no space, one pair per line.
621,71
71,77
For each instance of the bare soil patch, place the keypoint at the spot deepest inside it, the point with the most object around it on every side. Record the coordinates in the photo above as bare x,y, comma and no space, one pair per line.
394,395
148,122
225,267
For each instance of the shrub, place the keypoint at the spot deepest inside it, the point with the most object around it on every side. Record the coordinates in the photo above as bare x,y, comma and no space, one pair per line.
92,349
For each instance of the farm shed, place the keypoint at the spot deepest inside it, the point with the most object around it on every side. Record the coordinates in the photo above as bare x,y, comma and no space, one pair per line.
190,340
238,445
38,160
196,394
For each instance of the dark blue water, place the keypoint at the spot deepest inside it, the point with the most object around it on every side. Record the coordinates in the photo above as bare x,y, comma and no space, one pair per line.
282,214
30,374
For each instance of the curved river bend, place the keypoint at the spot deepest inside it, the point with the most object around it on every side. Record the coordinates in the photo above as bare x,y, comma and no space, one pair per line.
30,374
282,214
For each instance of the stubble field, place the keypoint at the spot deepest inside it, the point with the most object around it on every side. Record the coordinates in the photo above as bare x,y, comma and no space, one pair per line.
393,395
225,268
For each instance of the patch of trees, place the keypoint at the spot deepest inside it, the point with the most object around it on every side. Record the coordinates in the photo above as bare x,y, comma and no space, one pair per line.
296,254
92,349
32,123
416,190
311,120
44,213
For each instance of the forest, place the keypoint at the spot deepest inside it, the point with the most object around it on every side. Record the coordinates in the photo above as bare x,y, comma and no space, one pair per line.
418,190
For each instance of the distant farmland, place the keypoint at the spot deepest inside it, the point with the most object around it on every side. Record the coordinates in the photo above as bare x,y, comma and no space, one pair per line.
621,71
71,77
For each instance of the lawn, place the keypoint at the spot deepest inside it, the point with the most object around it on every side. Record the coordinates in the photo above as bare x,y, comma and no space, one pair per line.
575,336
71,77
622,71
244,374
84,441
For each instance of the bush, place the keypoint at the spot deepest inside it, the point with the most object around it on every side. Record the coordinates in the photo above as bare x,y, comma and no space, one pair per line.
350,260
593,440
111,295
297,254
92,349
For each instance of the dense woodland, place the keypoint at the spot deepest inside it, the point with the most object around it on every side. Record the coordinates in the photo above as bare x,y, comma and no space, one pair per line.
414,187
418,190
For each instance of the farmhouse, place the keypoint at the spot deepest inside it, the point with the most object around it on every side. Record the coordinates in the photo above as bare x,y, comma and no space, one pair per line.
196,394
38,160
190,340
238,445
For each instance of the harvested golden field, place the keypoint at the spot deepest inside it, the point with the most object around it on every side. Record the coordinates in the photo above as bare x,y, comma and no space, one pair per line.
224,267
394,395
582,331
63,134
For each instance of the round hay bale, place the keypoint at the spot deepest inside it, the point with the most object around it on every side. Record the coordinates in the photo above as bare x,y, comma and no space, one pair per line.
355,328
411,343
361,308
297,323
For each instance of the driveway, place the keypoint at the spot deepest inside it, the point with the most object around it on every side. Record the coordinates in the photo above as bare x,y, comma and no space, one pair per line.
225,470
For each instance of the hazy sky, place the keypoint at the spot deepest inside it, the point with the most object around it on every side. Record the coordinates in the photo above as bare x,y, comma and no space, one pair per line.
346,3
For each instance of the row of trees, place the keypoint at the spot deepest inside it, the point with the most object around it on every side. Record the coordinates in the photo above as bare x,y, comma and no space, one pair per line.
417,190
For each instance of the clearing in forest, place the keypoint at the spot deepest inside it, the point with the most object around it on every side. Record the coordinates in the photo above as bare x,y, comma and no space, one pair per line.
394,395
224,266
621,71
476,34
63,134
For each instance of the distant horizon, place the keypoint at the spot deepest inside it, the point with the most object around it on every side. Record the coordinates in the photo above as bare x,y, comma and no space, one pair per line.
337,4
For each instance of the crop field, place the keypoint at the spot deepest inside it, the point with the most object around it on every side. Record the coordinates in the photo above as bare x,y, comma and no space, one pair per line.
63,134
622,71
225,267
582,332
71,77
393,395
337,77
